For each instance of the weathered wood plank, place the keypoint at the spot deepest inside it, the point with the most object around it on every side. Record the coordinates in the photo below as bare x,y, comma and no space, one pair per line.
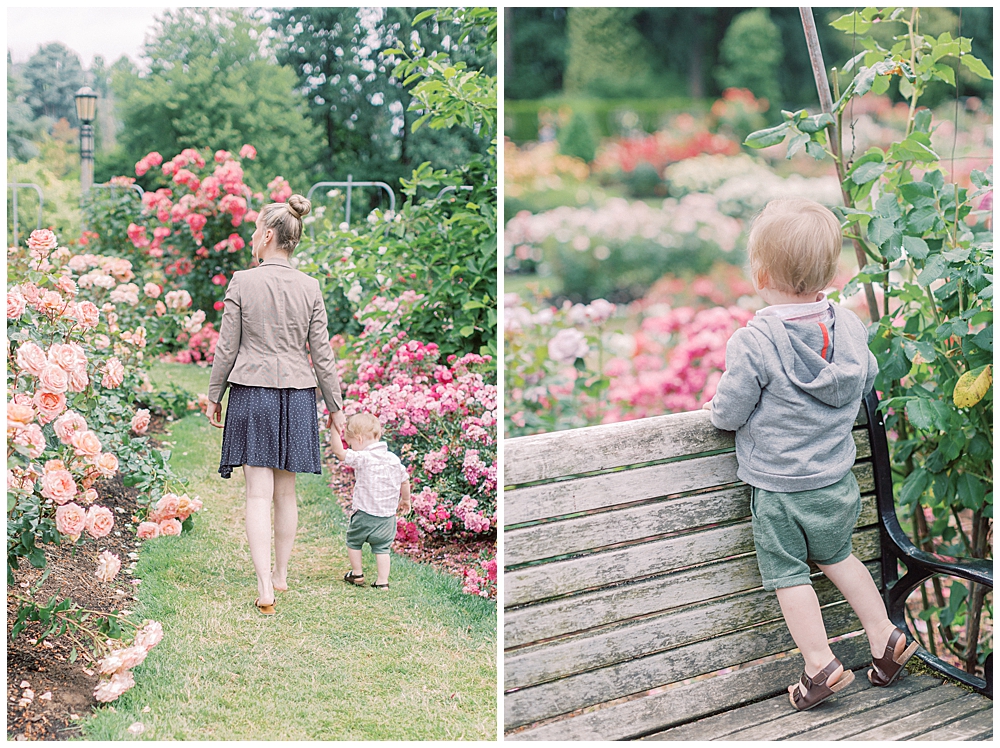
979,726
673,515
528,459
618,565
637,638
606,606
855,714
600,491
634,676
922,717
769,715
649,714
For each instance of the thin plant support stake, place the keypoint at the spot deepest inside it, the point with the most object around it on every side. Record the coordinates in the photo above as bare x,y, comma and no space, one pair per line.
826,104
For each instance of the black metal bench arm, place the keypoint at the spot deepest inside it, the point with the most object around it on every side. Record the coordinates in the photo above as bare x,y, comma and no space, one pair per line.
920,565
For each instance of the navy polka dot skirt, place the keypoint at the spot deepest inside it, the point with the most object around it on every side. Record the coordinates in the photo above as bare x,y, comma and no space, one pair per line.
269,427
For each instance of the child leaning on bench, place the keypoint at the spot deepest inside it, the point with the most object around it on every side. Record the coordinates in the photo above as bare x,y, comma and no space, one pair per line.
381,486
794,380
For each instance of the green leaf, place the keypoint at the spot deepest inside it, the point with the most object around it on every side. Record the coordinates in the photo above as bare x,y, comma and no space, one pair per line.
915,247
945,73
915,348
867,172
795,144
976,66
935,268
922,120
816,122
467,331
768,137
970,491
880,229
852,23
923,415
914,486
815,150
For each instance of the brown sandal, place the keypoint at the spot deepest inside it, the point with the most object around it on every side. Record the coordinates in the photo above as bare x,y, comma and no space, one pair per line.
816,689
886,669
266,610
356,579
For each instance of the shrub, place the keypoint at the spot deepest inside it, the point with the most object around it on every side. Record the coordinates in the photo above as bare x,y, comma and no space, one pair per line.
751,52
577,139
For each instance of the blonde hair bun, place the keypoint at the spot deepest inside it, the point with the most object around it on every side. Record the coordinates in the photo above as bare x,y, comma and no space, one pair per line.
298,206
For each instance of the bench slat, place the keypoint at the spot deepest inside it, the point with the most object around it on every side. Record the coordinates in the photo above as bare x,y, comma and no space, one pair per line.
648,714
678,627
634,676
564,497
634,523
771,719
594,448
977,727
630,562
561,617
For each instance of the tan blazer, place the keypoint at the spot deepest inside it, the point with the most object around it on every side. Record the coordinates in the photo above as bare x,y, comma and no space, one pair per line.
271,312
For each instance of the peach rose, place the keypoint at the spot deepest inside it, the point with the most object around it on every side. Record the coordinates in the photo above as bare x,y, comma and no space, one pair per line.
31,358
16,304
87,314
49,404
167,506
100,521
58,485
108,564
101,341
53,378
107,464
149,635
78,380
52,303
19,415
63,356
148,530
89,496
71,520
32,438
151,290
109,690
66,285
170,527
86,444
41,242
140,421
114,373
68,424
160,308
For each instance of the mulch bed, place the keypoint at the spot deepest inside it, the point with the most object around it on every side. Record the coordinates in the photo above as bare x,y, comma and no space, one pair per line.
63,692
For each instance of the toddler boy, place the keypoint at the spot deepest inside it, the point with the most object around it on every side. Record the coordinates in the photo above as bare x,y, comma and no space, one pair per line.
794,380
381,485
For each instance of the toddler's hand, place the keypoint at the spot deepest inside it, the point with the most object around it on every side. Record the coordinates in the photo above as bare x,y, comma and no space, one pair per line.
404,507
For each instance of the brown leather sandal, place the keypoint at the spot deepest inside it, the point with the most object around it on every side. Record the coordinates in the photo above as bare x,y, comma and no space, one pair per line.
816,688
356,579
886,669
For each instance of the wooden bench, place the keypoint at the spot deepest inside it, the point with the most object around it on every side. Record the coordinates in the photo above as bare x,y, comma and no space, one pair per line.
633,606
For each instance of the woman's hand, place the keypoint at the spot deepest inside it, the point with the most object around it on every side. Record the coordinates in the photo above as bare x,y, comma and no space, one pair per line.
214,414
337,420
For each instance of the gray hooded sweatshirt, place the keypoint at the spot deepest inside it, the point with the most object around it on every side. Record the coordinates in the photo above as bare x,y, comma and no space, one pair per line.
792,410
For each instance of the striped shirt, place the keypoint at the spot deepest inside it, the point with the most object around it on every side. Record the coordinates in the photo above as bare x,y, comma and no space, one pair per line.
378,475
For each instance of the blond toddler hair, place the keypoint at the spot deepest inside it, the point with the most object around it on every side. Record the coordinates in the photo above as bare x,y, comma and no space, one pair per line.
361,425
794,246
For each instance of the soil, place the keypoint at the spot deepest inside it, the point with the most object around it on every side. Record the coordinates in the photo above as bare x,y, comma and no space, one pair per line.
63,692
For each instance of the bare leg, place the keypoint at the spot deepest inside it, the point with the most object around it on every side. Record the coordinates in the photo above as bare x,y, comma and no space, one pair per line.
260,489
800,608
286,520
355,558
382,564
858,588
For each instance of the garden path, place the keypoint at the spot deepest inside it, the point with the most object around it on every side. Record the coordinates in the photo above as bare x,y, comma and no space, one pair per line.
335,663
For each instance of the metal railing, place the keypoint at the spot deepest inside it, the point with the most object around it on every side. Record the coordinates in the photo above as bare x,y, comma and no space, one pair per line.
350,184
14,187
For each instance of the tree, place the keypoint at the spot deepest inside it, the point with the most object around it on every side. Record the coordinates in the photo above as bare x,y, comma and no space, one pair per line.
353,95
52,76
22,127
535,52
213,82
606,55
751,53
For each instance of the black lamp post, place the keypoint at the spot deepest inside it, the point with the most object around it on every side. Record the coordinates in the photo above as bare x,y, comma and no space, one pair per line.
86,111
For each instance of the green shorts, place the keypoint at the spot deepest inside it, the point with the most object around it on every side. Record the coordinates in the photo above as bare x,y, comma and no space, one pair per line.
378,532
789,528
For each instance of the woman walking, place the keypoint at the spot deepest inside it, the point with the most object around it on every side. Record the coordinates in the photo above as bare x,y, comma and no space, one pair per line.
272,312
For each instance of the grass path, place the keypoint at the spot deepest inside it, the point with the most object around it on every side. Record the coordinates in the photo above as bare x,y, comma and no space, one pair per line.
336,663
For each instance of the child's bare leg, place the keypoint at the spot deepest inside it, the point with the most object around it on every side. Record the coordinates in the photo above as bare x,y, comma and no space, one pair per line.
355,558
858,588
800,607
382,564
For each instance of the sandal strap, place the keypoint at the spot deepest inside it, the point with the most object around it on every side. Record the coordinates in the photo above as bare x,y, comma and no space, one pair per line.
816,686
884,668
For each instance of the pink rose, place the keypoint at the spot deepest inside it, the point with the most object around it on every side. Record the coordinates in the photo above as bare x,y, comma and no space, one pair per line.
149,635
114,373
31,358
108,564
568,345
53,378
100,521
187,506
49,404
68,424
66,285
109,690
52,303
78,380
140,421
167,506
32,438
43,241
71,520
151,290
107,464
86,444
16,304
148,530
248,151
63,355
87,314
170,527
19,415
59,486
89,496
101,341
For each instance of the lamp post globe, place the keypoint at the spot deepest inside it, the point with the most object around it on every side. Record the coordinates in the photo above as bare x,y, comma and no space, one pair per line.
86,111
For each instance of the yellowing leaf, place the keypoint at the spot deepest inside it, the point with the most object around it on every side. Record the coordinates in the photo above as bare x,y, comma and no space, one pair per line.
971,388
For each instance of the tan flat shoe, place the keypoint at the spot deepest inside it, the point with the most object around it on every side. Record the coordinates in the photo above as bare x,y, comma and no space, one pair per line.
266,610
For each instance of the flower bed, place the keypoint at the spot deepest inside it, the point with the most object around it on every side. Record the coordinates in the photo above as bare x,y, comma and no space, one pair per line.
79,331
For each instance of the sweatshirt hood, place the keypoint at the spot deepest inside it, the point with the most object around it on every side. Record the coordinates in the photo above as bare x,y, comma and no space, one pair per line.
836,382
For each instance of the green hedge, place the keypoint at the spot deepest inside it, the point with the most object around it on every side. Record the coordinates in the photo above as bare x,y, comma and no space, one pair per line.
521,117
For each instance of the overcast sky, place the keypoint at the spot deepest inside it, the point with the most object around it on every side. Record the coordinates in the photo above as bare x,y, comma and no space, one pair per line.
110,32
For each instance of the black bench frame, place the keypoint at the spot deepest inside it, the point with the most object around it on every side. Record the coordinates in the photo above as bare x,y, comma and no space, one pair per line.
920,565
